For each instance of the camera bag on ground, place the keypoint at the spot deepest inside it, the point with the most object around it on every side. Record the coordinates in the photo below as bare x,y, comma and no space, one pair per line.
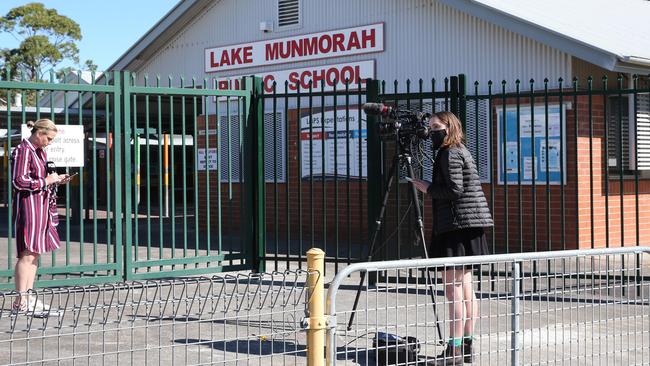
395,350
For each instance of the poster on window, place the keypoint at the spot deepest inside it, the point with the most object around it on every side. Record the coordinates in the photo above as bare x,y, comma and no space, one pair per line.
333,145
534,155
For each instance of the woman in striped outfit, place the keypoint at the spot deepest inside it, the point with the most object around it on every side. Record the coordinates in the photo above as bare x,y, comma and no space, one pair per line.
34,212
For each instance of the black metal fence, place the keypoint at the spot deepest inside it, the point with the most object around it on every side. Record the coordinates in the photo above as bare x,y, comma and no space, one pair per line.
576,177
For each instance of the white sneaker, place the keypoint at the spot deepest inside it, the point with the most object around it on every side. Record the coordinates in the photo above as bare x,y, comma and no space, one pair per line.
35,305
19,307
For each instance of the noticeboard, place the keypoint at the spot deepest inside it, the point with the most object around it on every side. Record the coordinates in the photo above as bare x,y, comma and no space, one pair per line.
320,142
527,155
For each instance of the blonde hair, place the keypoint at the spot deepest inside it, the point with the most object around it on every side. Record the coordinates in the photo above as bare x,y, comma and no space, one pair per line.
455,136
42,124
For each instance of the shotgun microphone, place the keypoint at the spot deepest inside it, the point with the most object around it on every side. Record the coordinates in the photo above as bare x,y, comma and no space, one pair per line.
378,109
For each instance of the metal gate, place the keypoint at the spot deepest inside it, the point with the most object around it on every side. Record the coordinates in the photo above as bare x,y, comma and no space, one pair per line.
183,236
91,243
151,200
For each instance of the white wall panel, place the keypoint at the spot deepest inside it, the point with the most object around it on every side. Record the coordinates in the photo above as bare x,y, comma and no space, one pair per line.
423,39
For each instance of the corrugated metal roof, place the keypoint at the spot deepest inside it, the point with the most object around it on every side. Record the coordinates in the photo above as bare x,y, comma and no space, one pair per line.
620,29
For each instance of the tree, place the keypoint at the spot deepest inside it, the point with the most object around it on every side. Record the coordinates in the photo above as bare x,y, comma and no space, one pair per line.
46,39
88,65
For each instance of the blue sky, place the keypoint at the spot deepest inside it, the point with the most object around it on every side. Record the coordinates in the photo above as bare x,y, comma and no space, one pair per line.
108,28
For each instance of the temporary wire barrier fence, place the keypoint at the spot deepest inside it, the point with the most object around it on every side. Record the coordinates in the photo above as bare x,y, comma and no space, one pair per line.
223,320
584,307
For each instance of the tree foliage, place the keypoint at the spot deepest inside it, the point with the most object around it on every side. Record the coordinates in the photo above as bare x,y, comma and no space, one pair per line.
88,65
46,38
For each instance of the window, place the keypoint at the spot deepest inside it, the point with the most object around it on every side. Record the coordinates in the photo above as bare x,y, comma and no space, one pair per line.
475,123
477,136
230,154
289,14
618,145
620,133
643,131
274,148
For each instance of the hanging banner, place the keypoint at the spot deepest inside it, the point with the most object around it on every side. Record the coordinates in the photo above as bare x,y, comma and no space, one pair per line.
537,159
327,140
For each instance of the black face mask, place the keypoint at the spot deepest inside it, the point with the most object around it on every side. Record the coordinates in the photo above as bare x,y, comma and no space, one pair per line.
437,138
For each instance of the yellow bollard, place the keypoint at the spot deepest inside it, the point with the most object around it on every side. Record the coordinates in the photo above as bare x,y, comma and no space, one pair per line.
317,324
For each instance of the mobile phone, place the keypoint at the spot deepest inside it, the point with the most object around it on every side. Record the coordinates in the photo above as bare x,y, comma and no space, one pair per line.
69,178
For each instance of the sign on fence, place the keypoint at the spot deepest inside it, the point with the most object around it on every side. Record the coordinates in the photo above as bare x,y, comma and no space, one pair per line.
67,148
534,156
212,159
346,140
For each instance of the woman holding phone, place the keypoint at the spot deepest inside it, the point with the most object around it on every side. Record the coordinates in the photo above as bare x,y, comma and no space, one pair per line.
35,213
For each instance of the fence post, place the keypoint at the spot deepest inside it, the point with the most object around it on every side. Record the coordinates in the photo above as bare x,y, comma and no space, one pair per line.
462,101
453,95
316,306
516,278
254,183
118,226
373,165
126,190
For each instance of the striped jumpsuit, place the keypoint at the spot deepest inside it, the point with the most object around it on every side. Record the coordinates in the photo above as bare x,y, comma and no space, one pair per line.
35,213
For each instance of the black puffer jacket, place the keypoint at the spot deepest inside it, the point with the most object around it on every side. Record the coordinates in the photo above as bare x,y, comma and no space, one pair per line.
458,199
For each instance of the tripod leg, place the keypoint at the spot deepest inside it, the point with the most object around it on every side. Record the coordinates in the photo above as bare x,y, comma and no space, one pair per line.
420,223
356,300
393,172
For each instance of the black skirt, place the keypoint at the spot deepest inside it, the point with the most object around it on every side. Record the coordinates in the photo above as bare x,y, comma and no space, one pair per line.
458,243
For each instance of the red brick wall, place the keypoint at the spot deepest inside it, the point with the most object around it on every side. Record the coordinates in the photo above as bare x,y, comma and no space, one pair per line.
547,234
606,212
294,213
533,233
578,209
230,195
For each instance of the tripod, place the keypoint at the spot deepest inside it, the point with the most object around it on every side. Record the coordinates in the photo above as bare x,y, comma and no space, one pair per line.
402,156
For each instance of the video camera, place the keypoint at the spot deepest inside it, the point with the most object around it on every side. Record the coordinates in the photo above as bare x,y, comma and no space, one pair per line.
403,123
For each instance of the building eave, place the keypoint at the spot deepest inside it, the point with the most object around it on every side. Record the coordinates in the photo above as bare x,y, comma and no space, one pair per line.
588,52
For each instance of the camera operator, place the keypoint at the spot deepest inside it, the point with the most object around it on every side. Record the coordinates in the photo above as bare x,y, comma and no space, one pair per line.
460,212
